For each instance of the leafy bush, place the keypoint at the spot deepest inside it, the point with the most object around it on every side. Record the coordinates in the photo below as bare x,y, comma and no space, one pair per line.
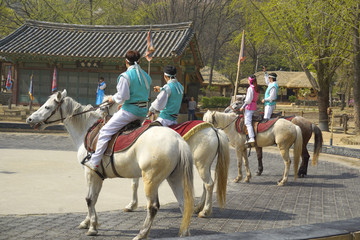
292,98
215,102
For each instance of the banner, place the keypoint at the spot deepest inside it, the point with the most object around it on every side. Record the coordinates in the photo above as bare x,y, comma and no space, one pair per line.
242,49
31,88
54,81
150,47
8,81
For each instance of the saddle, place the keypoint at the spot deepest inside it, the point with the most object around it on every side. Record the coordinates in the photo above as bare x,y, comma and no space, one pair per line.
258,126
92,135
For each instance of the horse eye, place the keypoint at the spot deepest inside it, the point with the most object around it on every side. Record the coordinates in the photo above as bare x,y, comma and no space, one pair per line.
46,107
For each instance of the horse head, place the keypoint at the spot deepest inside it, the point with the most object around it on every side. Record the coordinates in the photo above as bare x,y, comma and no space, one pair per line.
234,107
209,117
49,113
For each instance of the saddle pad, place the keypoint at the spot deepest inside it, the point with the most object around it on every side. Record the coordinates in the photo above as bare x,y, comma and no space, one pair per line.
289,118
92,135
262,127
238,124
126,140
189,128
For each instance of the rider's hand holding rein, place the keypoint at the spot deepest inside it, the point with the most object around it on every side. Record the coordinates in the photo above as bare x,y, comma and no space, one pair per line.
157,89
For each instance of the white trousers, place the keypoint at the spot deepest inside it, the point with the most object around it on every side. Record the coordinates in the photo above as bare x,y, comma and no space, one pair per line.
116,122
268,111
165,122
248,120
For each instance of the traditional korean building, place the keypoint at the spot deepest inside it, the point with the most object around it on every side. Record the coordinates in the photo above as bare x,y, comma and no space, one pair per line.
84,53
289,83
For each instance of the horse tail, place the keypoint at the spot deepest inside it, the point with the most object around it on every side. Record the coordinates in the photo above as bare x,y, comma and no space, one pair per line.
318,142
297,149
185,166
222,167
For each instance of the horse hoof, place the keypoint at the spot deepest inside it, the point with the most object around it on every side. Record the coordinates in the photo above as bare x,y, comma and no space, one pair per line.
203,214
185,233
128,210
246,180
236,180
83,226
301,175
92,233
258,173
280,183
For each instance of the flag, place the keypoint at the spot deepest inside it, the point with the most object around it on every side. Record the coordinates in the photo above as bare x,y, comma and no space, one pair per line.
54,81
8,81
31,88
150,47
242,49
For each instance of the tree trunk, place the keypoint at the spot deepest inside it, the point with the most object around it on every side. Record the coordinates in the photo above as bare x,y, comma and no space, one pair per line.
323,99
356,86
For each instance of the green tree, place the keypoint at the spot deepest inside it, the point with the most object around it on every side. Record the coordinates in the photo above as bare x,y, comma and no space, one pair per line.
311,36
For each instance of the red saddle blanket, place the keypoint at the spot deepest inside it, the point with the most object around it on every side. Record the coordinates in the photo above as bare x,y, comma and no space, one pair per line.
188,128
258,126
126,140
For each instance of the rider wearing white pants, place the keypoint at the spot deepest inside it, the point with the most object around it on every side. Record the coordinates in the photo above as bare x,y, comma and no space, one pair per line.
132,91
270,94
250,106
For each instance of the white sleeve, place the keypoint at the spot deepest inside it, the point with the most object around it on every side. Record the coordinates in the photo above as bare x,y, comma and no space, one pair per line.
272,95
267,79
249,97
161,100
103,86
123,90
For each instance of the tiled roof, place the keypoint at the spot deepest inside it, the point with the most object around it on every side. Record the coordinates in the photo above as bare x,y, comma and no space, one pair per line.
95,41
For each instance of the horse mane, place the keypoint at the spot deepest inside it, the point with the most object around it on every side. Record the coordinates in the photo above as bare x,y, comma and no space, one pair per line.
73,107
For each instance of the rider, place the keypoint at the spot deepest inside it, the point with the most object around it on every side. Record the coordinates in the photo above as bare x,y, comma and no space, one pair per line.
270,93
133,87
250,106
168,102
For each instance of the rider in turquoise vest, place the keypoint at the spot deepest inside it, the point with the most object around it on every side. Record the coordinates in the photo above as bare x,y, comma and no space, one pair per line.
168,102
133,87
139,91
270,94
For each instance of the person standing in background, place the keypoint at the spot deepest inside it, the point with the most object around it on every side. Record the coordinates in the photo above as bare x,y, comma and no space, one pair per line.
191,110
100,91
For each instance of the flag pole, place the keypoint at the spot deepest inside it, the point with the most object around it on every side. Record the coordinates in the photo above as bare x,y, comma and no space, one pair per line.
239,61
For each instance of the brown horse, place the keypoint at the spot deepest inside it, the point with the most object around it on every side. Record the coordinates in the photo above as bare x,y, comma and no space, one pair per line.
307,128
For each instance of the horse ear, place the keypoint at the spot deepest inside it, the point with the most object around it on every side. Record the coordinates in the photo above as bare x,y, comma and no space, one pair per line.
64,93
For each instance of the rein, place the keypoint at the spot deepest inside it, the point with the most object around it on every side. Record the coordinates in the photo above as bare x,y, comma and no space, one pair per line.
106,103
214,121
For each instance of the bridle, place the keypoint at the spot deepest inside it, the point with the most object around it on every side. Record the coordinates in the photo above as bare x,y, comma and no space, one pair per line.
213,121
61,119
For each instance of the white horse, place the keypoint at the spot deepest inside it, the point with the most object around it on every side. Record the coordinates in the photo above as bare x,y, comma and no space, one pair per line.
283,133
148,158
205,145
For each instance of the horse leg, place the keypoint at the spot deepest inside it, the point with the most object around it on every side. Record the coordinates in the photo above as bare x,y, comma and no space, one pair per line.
304,164
246,164
134,202
153,205
205,175
201,203
91,220
259,154
239,156
286,157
